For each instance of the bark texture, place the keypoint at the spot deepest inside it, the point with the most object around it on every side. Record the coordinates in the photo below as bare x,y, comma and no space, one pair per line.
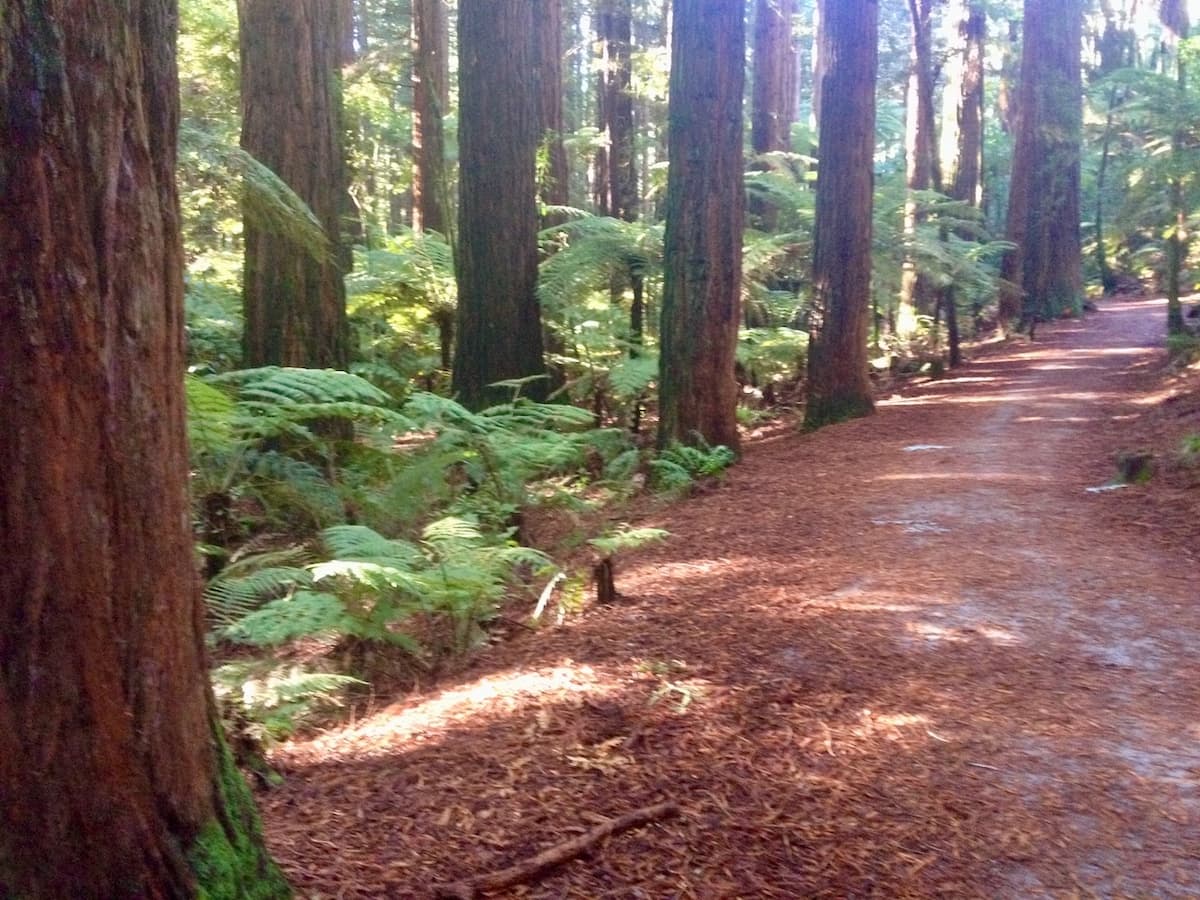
703,243
431,94
114,781
837,363
773,97
295,305
1043,205
499,318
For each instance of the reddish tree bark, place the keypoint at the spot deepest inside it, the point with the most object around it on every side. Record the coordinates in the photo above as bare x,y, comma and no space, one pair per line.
837,363
295,305
499,318
773,103
703,242
1043,205
114,780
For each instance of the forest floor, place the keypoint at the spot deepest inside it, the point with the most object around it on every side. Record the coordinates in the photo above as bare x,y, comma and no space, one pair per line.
908,656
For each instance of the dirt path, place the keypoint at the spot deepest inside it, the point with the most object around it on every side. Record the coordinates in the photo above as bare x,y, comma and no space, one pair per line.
909,656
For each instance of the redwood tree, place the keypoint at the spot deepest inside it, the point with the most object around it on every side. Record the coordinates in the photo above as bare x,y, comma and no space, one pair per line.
962,129
114,777
616,164
499,318
837,362
549,58
703,242
773,103
431,94
1043,200
295,304
920,163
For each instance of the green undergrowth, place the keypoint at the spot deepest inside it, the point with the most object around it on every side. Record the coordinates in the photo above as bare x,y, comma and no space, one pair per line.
348,532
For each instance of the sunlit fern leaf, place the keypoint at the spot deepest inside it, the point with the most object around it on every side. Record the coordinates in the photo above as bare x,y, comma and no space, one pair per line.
363,543
268,202
626,538
632,376
239,591
302,614
209,416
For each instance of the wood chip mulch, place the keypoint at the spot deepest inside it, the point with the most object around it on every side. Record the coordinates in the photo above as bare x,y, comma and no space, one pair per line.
908,656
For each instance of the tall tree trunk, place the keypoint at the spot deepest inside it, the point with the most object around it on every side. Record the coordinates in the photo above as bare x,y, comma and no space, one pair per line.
295,305
774,90
1174,16
915,293
549,49
1043,208
499,318
703,242
1116,45
616,185
962,129
431,94
115,779
837,364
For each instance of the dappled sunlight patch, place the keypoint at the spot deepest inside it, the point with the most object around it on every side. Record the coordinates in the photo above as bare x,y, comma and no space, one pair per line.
998,477
420,720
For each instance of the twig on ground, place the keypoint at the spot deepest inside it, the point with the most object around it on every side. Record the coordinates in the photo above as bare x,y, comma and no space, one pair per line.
535,866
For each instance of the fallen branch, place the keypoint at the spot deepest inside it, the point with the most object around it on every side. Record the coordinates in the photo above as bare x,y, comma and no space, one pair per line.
530,869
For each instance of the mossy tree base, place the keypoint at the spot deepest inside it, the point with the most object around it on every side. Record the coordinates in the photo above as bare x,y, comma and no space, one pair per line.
229,857
832,410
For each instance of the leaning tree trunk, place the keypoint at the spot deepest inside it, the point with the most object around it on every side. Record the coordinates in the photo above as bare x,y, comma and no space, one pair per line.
499,319
839,387
1043,210
295,304
431,79
115,780
703,243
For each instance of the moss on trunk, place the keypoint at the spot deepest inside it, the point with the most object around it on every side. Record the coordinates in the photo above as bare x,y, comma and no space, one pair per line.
228,856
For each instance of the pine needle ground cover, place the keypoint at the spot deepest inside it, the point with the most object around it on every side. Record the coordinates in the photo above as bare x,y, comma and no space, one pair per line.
938,667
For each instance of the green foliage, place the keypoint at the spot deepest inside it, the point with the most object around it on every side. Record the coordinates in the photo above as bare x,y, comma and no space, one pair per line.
678,467
270,700
626,538
387,591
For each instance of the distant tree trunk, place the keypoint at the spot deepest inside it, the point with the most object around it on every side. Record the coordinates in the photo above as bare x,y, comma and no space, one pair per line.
837,372
431,79
556,176
703,243
1115,44
295,305
1006,100
1043,206
1174,16
115,779
774,89
616,164
962,130
915,292
499,319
